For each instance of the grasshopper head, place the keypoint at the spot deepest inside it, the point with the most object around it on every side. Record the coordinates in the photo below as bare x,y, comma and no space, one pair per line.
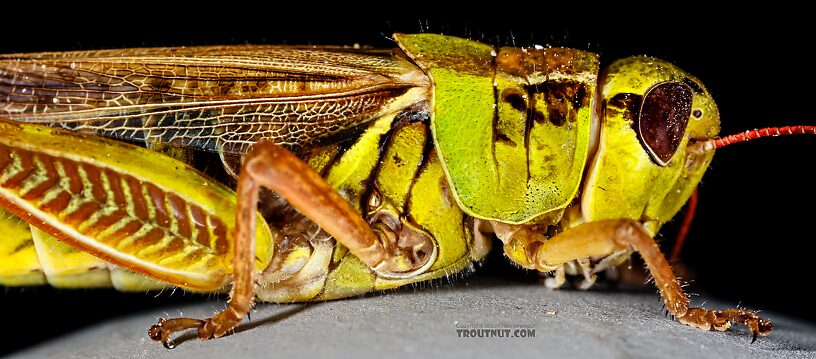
664,105
649,112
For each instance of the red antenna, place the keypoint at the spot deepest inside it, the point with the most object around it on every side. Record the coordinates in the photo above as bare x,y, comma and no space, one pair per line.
705,146
709,145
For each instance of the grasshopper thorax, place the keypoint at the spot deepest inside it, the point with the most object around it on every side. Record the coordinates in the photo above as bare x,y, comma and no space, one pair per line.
511,126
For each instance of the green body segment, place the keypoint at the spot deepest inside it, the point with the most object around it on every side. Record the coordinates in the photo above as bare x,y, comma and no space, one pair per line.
511,125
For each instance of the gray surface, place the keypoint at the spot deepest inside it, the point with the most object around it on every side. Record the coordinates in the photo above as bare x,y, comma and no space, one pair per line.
408,323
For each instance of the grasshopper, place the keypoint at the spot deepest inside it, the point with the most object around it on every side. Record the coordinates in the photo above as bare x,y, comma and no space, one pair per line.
386,167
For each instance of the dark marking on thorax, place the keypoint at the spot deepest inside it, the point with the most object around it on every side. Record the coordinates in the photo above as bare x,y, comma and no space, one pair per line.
533,113
515,99
563,99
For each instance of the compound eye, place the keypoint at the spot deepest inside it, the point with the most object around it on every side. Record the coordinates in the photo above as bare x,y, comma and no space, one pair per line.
663,118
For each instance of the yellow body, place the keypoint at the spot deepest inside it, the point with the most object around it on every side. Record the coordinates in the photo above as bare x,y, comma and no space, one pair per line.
434,138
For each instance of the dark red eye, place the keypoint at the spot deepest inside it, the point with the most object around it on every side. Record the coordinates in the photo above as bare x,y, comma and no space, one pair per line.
663,119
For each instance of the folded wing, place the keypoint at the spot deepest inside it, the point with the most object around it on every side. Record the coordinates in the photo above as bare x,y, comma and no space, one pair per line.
217,98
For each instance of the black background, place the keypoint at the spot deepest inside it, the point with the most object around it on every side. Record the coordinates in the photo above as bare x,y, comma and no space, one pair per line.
752,241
